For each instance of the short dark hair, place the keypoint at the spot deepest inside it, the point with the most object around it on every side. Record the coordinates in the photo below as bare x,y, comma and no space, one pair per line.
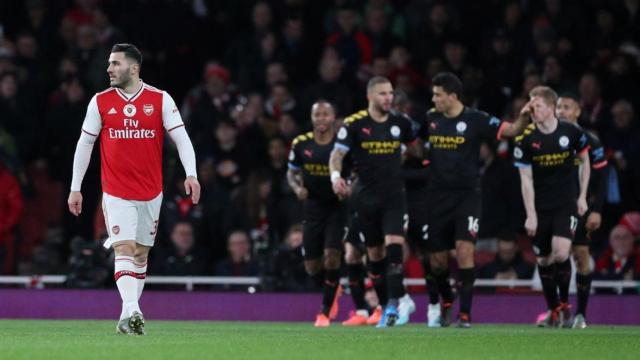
449,82
130,51
377,80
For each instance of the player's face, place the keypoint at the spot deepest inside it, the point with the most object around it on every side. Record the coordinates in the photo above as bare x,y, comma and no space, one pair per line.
568,108
322,117
542,110
441,100
119,70
381,97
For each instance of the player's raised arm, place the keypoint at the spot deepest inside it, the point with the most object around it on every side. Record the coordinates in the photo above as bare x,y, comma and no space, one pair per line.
510,130
172,122
90,131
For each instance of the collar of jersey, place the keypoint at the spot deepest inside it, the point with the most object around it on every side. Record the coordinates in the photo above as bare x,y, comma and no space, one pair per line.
134,96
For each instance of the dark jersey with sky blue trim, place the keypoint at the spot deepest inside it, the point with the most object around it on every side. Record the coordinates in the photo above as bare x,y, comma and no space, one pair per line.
552,159
454,147
312,159
375,149
597,181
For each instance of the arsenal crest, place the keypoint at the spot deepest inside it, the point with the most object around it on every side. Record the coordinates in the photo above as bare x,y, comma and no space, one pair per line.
148,109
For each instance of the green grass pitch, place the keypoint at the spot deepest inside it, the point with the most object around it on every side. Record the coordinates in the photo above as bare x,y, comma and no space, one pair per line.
34,339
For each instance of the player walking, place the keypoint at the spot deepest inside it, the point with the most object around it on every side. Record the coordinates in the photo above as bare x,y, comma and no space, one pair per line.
130,118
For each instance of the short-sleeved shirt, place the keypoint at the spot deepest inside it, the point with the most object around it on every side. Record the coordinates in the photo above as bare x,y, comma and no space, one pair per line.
131,130
598,160
454,147
552,160
312,159
375,149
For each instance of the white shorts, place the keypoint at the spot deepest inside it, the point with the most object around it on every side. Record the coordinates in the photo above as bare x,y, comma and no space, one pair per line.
131,219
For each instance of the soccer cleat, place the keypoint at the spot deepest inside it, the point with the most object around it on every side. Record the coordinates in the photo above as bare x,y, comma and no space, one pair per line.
335,306
357,319
564,319
579,322
123,327
322,321
374,318
406,307
389,317
445,314
550,319
136,323
433,316
464,321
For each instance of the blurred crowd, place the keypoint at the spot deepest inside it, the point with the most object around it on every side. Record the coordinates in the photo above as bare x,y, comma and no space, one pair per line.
245,74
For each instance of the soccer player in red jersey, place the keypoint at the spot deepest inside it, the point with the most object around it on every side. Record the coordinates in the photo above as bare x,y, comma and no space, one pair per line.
130,118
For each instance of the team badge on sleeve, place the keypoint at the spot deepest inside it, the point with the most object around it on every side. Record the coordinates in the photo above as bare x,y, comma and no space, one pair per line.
517,153
342,134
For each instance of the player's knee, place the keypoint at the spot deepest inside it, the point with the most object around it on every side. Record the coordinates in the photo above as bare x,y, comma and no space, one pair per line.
312,267
393,239
561,255
124,248
395,269
375,253
352,256
332,259
545,261
439,262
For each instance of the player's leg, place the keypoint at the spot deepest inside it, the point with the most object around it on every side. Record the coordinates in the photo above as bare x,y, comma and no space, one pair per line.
356,274
583,283
121,219
564,227
582,257
140,258
546,268
466,271
561,249
466,230
433,308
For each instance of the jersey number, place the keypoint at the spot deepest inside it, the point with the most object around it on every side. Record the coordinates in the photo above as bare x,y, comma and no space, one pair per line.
155,228
574,223
473,224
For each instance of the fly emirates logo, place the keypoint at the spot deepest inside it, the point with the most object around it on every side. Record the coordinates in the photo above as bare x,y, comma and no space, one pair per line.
131,131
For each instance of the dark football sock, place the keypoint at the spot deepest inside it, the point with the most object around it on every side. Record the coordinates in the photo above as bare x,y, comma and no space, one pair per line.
356,274
395,273
549,287
583,284
563,279
378,274
467,278
331,282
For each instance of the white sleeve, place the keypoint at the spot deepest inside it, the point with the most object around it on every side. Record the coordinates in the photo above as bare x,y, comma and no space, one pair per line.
81,159
92,121
171,118
185,150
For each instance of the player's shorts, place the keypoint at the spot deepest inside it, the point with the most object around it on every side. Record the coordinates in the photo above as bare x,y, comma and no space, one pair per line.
378,217
561,222
417,231
325,227
451,216
581,237
131,219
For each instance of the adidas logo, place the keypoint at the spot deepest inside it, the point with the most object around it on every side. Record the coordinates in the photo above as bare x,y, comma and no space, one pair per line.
112,111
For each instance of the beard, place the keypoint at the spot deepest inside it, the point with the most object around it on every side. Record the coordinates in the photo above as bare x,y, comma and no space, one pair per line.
122,81
380,108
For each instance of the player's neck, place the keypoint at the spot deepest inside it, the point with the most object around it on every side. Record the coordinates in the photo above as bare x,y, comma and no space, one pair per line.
455,110
132,86
323,138
548,126
376,115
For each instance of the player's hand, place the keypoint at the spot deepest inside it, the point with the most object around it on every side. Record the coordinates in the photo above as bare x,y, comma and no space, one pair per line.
527,109
582,206
340,188
302,193
593,221
75,202
531,225
192,187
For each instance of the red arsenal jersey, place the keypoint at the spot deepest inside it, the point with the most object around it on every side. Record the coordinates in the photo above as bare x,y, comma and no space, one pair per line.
131,130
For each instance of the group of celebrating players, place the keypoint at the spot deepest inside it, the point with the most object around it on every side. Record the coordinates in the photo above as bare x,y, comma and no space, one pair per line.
366,186
382,177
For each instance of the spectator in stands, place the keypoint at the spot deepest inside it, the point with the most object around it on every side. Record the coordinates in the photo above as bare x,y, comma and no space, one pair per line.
239,261
288,264
353,45
11,208
508,264
231,157
594,110
621,261
181,257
